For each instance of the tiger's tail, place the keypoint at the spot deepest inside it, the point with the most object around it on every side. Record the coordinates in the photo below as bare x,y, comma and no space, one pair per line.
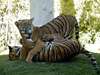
92,59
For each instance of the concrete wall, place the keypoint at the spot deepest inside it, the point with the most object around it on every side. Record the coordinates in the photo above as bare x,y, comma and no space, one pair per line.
43,11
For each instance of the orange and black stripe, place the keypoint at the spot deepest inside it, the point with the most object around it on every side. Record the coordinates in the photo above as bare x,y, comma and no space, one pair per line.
65,25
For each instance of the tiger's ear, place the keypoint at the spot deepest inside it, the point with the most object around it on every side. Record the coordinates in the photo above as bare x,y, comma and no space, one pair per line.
16,23
10,48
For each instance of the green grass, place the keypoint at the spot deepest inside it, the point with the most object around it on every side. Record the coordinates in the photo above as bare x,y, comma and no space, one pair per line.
78,66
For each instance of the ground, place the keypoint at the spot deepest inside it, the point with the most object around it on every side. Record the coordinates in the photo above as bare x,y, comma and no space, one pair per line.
79,65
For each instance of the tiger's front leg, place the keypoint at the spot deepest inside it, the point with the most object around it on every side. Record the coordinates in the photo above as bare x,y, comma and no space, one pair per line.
39,45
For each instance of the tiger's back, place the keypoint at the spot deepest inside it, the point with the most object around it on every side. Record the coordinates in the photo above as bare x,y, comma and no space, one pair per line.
65,25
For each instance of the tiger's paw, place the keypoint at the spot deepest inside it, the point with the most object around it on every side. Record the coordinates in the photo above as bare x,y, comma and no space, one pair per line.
28,60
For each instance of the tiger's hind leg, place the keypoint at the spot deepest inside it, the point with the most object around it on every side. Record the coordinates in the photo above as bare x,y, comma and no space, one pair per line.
39,45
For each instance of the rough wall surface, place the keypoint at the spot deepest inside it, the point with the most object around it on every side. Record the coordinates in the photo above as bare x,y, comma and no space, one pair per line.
44,10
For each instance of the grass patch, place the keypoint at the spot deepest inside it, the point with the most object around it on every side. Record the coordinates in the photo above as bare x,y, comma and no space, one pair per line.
78,66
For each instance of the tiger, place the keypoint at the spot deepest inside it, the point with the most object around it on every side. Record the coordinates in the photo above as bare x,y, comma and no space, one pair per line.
60,51
64,25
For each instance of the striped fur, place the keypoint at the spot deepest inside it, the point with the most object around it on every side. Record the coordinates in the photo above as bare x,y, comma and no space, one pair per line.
62,50
58,50
63,25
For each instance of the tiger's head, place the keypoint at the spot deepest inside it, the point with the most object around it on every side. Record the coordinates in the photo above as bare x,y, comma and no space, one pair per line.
25,27
14,52
28,30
